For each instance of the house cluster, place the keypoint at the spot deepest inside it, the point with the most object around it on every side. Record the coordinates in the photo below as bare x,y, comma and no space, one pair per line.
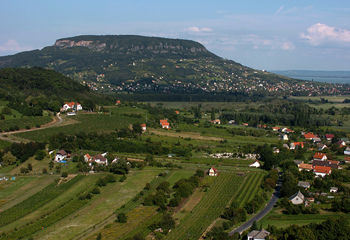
320,165
216,121
226,155
73,106
99,159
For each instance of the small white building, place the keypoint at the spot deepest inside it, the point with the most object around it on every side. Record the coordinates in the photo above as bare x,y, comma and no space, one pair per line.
255,164
284,137
297,198
258,234
72,105
213,172
333,189
60,156
347,151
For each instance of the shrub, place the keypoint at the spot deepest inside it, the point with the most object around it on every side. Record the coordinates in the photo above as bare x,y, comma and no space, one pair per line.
121,218
64,174
95,191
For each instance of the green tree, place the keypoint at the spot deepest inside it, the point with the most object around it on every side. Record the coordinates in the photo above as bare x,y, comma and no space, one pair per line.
212,114
121,218
8,159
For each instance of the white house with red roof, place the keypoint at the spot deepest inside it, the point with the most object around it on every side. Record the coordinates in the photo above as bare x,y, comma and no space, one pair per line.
99,159
213,172
87,157
321,171
143,127
255,164
71,105
320,156
164,123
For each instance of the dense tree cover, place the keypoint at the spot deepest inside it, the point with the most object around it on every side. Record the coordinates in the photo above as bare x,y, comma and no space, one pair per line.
23,151
30,91
279,112
184,188
329,229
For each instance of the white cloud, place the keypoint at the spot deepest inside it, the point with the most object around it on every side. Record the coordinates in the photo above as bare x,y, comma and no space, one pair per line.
197,29
279,10
320,33
287,46
13,46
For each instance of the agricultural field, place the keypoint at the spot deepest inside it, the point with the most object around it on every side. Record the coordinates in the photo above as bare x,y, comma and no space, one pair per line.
24,122
82,123
212,204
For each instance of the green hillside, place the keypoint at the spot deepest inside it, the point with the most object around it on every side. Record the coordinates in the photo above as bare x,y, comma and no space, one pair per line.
138,64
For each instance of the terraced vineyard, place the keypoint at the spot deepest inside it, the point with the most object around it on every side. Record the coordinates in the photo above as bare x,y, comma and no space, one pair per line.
35,201
210,207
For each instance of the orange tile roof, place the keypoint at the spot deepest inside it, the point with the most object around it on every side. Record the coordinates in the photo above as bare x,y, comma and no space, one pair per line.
309,135
322,169
319,155
305,166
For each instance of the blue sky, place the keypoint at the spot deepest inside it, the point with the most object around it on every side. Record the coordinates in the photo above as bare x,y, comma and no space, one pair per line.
271,35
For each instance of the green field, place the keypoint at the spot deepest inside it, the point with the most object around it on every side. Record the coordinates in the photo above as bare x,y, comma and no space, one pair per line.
209,208
23,122
82,123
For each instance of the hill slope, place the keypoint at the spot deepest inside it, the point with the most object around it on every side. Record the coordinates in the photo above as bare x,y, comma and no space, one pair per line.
137,63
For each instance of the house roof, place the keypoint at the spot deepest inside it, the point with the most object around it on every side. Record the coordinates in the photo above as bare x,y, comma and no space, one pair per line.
309,135
71,104
298,194
303,184
99,157
319,155
143,125
347,158
297,144
61,152
259,234
214,169
331,164
88,156
329,136
322,169
305,166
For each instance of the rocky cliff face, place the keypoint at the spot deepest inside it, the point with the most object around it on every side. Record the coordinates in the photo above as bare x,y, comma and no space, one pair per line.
96,46
159,47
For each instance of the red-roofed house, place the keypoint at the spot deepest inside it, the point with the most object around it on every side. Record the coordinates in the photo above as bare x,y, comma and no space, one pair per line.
309,136
305,166
164,123
87,157
329,136
322,171
213,172
347,159
143,127
70,105
275,129
255,164
177,112
320,156
99,159
296,144
117,102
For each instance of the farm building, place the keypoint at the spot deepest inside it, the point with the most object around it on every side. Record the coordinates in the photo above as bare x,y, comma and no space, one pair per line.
333,189
297,198
258,234
213,172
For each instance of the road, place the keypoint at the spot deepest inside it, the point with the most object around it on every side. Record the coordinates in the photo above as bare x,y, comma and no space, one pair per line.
275,196
51,124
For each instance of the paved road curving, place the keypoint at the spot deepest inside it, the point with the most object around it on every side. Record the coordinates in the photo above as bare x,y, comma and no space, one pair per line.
275,196
52,124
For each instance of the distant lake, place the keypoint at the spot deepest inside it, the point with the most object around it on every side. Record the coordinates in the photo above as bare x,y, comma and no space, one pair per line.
317,76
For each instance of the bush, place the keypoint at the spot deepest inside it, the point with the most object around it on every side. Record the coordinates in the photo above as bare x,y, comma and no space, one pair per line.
121,218
64,174
95,191
27,127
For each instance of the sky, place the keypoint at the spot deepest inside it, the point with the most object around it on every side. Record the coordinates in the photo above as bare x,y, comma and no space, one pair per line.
269,35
